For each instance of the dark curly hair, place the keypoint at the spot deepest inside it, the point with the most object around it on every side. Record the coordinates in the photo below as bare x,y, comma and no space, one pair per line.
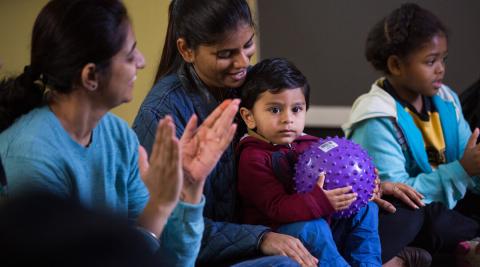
400,33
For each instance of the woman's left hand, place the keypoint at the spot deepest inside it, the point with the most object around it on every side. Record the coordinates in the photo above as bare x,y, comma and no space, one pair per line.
163,177
203,146
401,191
405,193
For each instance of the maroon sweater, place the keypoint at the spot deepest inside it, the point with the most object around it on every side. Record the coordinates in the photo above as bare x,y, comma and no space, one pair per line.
265,198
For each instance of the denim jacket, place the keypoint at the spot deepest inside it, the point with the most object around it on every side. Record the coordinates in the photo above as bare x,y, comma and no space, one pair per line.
181,95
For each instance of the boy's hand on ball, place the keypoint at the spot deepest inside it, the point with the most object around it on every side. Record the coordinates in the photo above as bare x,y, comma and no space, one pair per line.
350,180
339,198
377,191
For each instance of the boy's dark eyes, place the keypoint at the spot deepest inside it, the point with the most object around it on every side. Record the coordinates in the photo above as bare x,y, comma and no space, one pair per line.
297,109
274,110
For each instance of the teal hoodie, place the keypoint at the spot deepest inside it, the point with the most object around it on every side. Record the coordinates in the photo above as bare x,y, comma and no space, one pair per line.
381,125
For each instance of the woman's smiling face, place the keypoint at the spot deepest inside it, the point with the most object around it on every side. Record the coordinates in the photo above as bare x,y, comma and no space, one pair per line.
224,64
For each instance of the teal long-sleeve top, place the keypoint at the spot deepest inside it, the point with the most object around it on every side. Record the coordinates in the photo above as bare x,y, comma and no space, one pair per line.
38,154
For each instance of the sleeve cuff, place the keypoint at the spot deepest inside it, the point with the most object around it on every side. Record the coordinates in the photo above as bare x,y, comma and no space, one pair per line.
189,212
150,238
461,175
260,238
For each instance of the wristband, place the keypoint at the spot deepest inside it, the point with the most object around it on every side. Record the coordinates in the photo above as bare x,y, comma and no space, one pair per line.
148,232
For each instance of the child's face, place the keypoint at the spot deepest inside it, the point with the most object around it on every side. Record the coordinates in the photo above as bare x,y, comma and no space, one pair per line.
422,72
279,118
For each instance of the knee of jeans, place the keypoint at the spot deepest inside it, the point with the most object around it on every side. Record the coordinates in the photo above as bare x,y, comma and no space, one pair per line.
318,227
368,212
370,208
282,261
273,261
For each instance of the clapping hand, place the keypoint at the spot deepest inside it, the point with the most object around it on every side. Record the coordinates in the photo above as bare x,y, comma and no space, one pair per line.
202,147
162,175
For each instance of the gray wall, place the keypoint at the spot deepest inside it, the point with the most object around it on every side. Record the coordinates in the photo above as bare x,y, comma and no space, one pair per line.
325,39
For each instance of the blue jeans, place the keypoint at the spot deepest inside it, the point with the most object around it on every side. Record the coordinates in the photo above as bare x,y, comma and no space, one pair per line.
347,242
271,261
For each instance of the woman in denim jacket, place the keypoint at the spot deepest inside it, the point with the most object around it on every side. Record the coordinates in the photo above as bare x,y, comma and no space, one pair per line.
205,58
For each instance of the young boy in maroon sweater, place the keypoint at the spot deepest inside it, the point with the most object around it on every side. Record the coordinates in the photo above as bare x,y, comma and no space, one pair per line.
274,103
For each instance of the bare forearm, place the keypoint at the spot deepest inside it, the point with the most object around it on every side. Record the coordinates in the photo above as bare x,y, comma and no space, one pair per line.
154,217
192,193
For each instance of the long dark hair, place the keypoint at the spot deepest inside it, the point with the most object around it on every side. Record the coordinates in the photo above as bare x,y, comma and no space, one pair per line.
67,35
199,22
400,33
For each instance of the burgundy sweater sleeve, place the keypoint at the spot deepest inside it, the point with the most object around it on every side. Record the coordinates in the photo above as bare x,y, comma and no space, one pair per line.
258,185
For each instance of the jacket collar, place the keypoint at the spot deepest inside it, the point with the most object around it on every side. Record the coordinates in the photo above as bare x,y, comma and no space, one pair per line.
376,103
202,97
203,100
379,103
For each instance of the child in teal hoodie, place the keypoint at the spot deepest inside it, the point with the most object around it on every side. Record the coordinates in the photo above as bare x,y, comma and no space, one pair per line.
412,124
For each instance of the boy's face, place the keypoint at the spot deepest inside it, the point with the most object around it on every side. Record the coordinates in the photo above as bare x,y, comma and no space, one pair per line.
279,118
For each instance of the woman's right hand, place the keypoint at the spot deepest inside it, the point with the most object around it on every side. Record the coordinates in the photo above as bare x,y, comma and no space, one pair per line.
339,198
162,175
471,156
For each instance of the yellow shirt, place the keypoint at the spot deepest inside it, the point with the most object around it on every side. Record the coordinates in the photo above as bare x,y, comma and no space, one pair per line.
432,134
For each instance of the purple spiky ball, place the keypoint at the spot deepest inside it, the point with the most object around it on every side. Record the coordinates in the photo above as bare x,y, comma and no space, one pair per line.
344,163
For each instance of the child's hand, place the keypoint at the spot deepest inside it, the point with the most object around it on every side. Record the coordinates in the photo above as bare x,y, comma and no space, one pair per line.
471,157
377,192
339,198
